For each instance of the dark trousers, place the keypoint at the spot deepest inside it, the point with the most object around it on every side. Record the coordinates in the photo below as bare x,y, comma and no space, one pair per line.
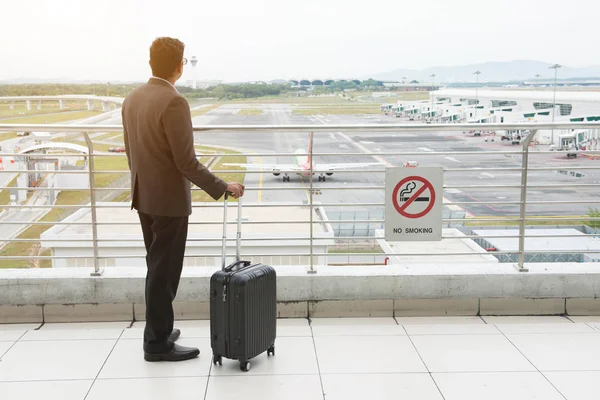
165,239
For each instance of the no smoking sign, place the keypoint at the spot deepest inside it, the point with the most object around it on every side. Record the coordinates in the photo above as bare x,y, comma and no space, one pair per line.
413,204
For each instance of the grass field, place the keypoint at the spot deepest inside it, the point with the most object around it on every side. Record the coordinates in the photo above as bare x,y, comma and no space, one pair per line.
204,110
292,100
201,196
46,119
26,249
5,194
250,111
109,135
103,163
341,110
47,108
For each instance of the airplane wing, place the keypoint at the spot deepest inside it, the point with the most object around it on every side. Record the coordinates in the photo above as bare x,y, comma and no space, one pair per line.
267,167
334,167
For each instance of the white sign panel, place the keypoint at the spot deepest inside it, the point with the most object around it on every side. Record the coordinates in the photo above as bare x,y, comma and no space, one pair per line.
413,204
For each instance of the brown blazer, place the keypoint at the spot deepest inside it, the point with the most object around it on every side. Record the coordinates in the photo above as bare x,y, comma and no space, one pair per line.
159,143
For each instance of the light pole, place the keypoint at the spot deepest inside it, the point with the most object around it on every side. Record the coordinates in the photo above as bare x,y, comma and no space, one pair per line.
194,61
537,79
476,73
555,67
432,89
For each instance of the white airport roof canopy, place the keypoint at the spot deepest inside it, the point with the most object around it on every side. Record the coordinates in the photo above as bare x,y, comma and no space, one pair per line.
533,95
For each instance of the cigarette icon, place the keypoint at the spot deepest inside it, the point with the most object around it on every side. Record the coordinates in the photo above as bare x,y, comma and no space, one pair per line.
408,189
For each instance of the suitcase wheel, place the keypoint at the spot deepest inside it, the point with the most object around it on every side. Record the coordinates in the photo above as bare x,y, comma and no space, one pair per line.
271,351
245,366
217,359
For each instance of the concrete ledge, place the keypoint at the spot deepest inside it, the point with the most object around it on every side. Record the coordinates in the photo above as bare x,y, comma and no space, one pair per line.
292,309
350,308
435,307
181,310
20,314
522,306
423,289
88,312
583,306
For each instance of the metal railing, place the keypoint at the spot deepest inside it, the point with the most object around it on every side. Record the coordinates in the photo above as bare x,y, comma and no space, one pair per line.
521,218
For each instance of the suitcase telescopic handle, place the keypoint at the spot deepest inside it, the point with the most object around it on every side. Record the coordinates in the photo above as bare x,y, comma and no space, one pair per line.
238,233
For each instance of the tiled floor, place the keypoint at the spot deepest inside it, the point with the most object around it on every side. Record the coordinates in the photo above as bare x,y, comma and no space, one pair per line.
453,358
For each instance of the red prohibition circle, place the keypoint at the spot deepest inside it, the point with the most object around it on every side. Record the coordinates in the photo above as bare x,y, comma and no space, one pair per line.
401,209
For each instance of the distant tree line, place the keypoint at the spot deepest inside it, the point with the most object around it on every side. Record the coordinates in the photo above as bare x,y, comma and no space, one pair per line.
221,91
55,89
340,86
241,91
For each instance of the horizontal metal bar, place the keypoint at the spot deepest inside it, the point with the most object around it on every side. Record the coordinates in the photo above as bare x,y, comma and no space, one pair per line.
330,221
83,172
300,204
518,169
292,238
126,256
327,188
368,128
478,254
547,202
337,154
280,188
278,222
303,172
225,155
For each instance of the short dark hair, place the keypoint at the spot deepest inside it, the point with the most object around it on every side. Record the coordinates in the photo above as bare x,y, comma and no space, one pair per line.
165,56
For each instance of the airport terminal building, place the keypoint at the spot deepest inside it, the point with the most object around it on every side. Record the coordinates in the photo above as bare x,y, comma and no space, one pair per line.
511,106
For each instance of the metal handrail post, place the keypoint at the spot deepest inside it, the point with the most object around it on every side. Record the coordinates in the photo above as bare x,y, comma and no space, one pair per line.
310,154
523,200
97,270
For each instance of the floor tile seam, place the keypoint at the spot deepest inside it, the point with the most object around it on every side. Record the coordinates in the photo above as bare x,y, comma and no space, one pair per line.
535,366
454,372
595,328
551,333
317,358
456,334
208,379
102,367
47,380
503,371
212,375
569,318
352,335
14,343
113,377
69,340
424,364
244,375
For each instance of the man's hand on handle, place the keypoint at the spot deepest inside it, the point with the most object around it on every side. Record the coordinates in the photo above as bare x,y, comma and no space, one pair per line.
235,189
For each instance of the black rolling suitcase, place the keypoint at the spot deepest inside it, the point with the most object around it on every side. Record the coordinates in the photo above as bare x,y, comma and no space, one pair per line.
243,306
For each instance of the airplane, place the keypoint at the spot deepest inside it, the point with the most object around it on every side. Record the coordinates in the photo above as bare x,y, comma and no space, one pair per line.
302,163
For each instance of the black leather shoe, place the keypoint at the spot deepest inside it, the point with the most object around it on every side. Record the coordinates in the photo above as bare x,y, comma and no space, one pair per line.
174,335
177,353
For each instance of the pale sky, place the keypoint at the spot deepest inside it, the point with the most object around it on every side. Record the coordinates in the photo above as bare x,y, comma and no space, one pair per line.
282,39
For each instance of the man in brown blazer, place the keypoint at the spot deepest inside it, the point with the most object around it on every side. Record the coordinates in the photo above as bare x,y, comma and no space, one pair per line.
160,151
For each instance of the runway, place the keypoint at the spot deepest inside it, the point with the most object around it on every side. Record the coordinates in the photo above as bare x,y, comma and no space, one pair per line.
458,184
